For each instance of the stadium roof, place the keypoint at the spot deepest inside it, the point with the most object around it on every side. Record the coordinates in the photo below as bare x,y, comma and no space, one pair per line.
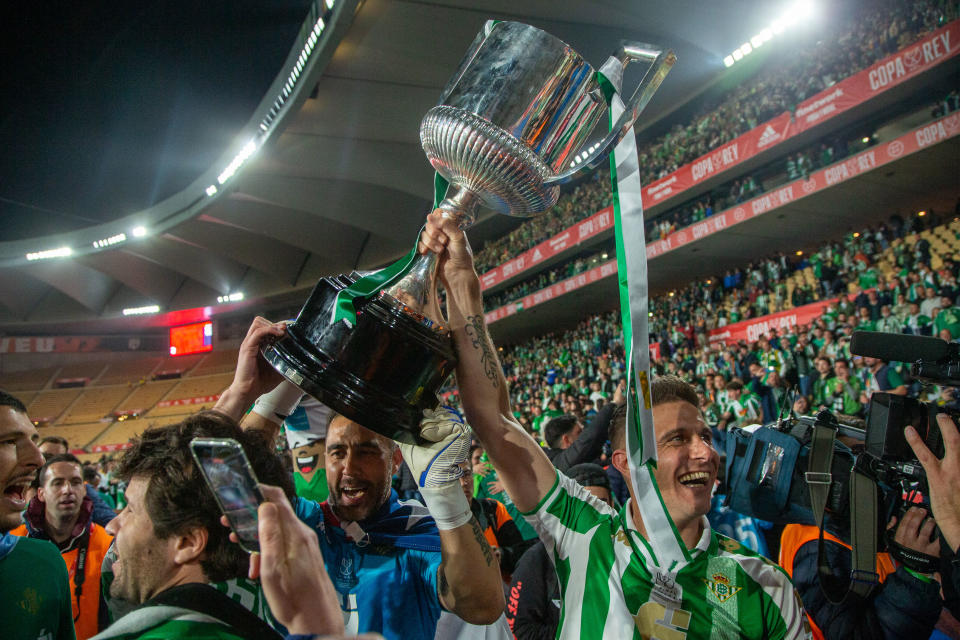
122,117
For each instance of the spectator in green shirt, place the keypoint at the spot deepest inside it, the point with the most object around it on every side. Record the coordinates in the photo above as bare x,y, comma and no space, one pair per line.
947,319
917,323
845,390
865,323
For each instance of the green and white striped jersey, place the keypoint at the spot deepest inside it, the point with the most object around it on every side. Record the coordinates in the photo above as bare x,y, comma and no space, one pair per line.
612,587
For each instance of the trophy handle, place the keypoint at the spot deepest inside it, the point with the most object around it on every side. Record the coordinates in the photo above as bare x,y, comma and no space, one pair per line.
660,64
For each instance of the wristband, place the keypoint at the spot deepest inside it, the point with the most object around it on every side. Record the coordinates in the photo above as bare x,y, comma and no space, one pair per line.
279,403
448,506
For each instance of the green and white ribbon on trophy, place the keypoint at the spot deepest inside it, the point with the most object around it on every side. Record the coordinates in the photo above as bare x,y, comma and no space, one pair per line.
669,550
345,309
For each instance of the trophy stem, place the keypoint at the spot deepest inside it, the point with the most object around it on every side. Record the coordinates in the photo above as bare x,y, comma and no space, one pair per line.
418,289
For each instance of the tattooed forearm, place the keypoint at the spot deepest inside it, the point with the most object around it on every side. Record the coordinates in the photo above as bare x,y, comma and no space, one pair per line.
443,587
482,541
478,337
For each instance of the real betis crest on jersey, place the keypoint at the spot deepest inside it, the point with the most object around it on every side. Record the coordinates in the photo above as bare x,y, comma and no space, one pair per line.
720,587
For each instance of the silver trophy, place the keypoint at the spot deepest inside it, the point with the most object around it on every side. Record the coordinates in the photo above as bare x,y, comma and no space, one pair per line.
509,125
505,133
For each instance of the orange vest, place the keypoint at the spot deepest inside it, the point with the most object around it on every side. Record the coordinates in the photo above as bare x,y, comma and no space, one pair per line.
795,536
88,606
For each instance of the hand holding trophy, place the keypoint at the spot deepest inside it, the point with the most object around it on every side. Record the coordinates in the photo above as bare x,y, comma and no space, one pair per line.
505,134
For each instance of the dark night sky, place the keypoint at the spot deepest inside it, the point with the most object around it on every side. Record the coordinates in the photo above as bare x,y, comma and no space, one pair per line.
109,107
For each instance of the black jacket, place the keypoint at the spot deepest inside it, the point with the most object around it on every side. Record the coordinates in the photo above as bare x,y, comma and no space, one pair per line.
533,605
902,607
588,446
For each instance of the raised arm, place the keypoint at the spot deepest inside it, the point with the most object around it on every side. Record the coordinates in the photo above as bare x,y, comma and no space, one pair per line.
521,464
253,376
468,580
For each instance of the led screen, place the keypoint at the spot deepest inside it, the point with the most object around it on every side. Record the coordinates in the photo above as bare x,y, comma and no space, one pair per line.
191,338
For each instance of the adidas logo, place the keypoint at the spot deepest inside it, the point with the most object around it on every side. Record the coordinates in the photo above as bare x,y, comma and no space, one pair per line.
769,136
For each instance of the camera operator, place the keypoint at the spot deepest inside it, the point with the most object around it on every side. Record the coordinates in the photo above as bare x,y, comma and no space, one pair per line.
905,604
943,478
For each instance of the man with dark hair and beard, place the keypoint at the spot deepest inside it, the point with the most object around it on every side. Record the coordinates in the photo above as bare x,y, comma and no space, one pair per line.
396,566
34,589
171,542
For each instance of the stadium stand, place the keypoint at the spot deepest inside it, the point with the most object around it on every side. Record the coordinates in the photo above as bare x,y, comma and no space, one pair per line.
28,380
95,403
145,396
123,431
191,388
78,435
48,405
128,371
215,362
88,371
177,365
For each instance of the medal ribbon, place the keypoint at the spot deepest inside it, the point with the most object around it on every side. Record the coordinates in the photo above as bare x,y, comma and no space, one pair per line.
661,532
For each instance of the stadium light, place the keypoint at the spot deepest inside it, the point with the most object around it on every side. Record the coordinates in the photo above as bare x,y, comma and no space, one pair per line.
237,161
139,311
62,252
803,10
106,242
139,232
211,190
236,296
800,11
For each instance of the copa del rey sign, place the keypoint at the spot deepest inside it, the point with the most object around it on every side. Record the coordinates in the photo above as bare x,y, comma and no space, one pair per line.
756,328
926,53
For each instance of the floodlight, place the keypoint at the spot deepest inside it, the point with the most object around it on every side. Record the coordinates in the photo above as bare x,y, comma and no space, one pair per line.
139,232
728,61
137,311
745,48
756,41
737,55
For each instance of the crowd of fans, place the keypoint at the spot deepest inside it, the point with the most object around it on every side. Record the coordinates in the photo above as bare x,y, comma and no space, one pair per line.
558,373
546,278
879,30
138,546
882,30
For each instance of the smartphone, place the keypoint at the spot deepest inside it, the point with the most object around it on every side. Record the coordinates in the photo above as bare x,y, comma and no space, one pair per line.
230,477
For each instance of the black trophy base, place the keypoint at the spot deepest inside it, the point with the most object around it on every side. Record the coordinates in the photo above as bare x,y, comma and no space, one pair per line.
381,373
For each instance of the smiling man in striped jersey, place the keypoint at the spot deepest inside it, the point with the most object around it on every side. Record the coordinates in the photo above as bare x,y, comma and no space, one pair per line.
612,584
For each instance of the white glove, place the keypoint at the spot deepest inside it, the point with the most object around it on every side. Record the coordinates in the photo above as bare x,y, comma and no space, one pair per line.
436,466
279,403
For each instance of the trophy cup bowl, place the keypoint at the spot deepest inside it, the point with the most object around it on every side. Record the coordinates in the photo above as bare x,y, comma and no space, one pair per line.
505,134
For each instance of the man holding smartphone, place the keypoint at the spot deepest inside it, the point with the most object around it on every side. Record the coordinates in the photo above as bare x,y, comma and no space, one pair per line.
395,566
170,544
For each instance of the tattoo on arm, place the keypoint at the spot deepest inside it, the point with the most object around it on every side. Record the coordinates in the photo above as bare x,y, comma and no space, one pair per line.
478,337
482,541
443,587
